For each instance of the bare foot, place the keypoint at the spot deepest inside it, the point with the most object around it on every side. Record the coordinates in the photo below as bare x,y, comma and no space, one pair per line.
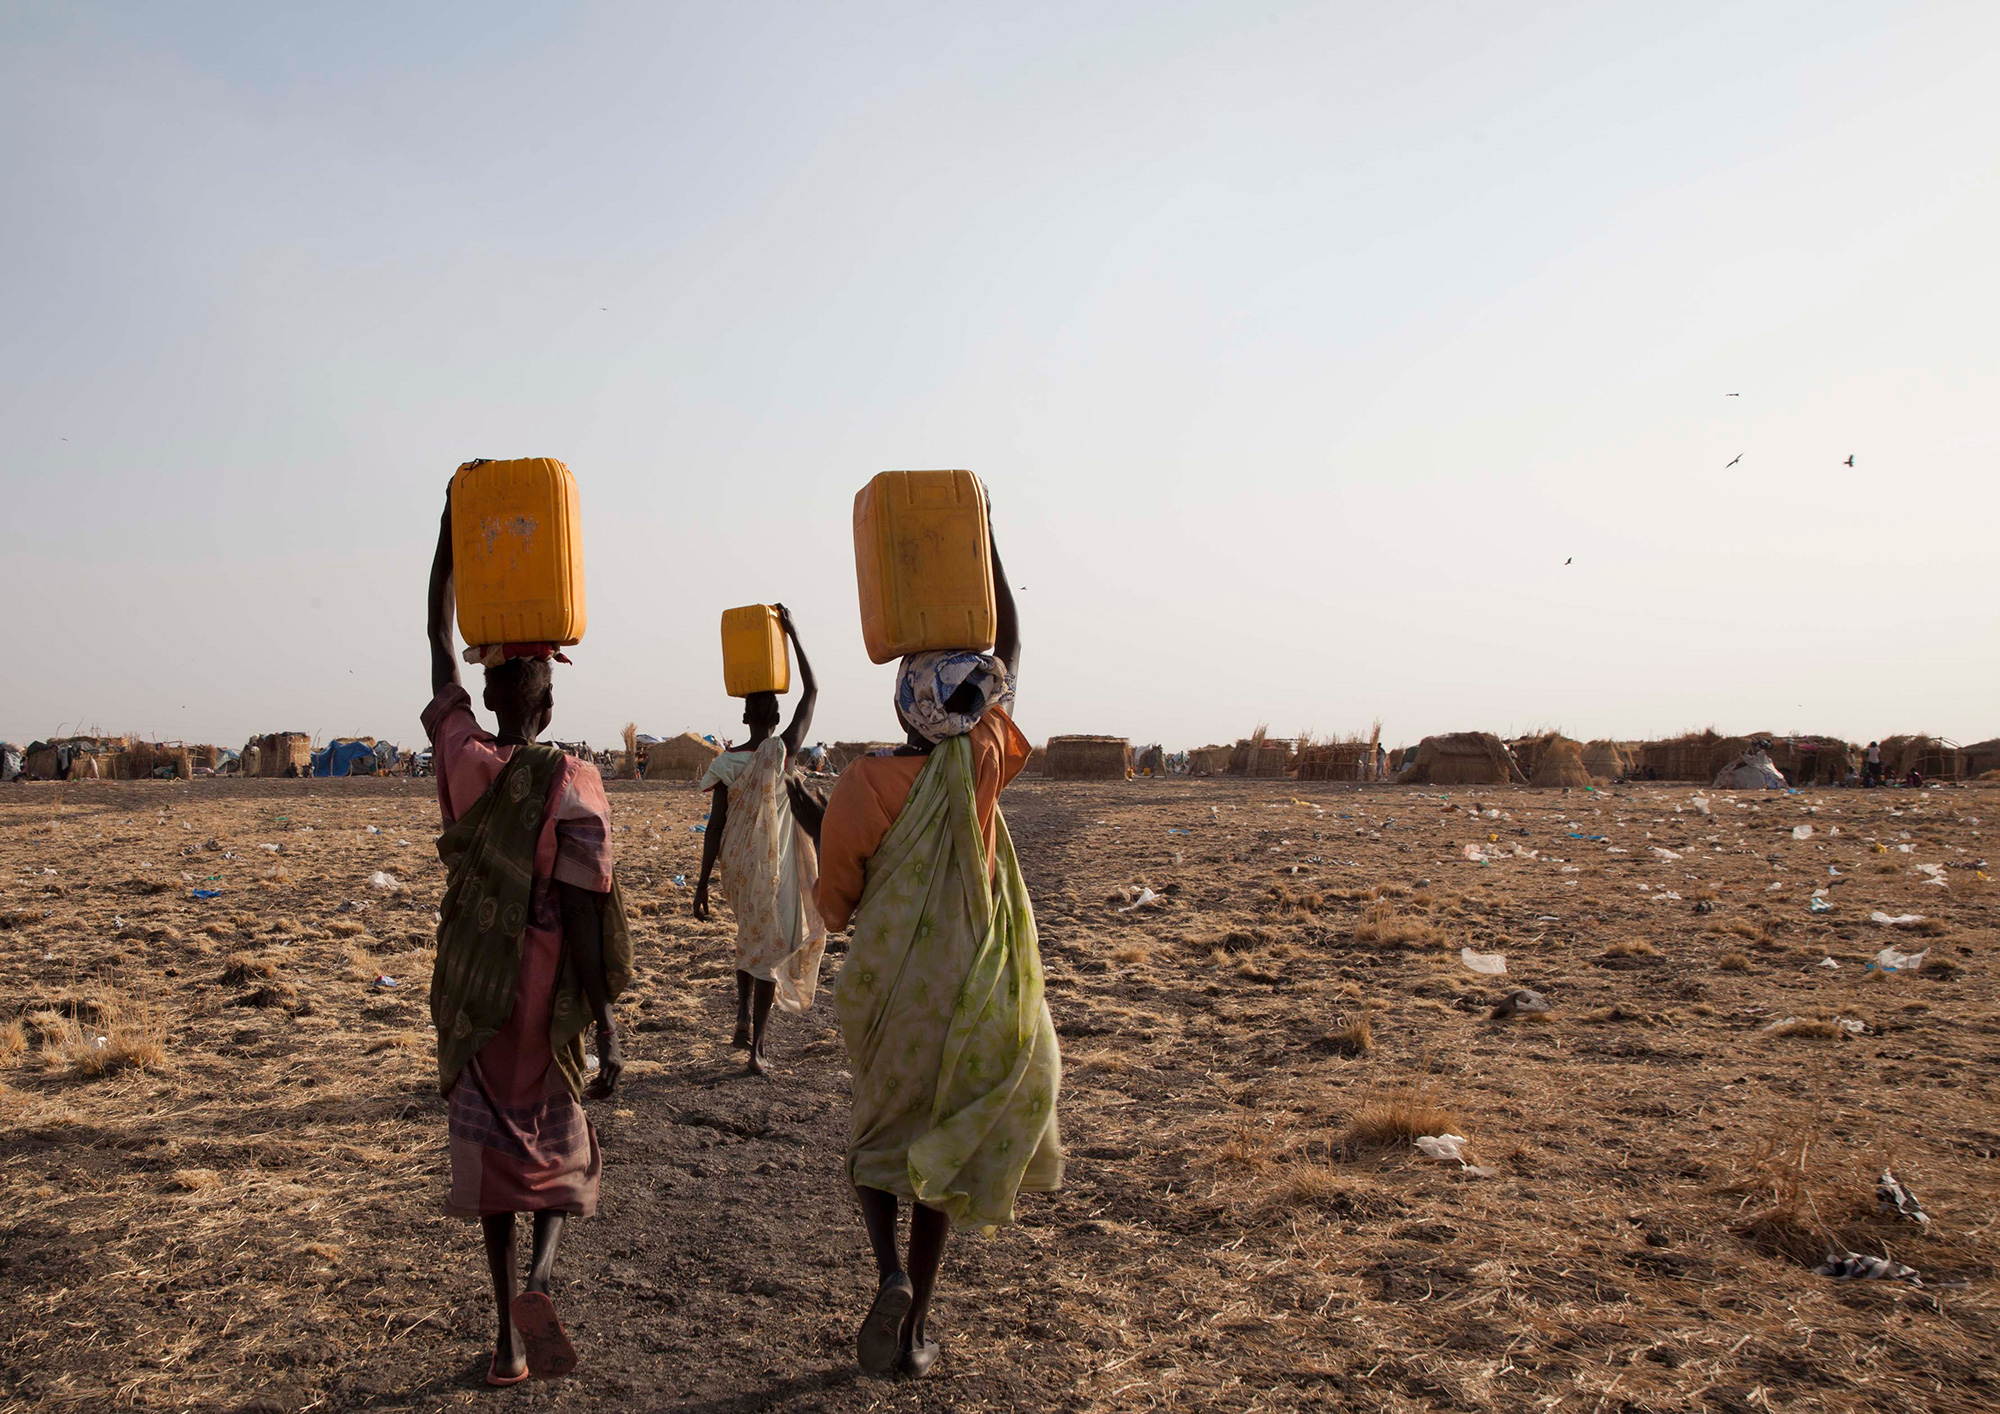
757,1064
741,1040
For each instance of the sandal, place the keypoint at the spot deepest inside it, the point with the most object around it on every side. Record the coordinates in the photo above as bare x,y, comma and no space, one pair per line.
550,1354
919,1358
498,1380
878,1344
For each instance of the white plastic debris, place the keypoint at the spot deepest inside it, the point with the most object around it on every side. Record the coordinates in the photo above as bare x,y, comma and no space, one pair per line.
1701,804
382,880
1802,832
1853,1266
1443,1146
1889,960
373,830
1892,1197
1145,897
1899,921
1665,853
1489,964
271,847
1829,964
1773,887
1816,904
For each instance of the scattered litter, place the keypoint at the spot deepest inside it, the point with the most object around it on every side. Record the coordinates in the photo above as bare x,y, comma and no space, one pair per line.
1145,897
1893,1197
1900,920
1490,964
350,906
1701,804
697,829
381,880
384,982
1852,1266
1665,853
1773,887
373,830
1851,1026
205,893
1443,1146
1889,960
1818,905
1833,873
1575,836
680,881
1829,964
1522,1003
271,847
590,1062
1802,832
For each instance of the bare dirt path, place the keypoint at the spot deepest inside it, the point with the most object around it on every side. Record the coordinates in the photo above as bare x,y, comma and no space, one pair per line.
245,1217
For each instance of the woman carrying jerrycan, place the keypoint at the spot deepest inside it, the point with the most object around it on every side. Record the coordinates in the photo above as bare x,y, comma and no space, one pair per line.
769,867
940,999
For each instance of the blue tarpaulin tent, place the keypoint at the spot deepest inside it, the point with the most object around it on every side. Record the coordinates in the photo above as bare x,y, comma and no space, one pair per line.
334,759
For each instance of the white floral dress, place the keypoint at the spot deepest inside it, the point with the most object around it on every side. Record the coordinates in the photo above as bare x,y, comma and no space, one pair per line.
769,868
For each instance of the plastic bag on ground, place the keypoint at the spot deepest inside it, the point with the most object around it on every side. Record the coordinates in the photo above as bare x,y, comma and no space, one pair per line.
1878,916
1443,1146
1490,964
1892,1197
381,880
1853,1266
1889,960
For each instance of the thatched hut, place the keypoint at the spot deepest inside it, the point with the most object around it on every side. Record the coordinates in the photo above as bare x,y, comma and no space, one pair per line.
842,754
1559,762
1603,759
1089,758
1335,759
278,751
1263,758
1210,760
1933,758
1979,758
1462,759
1692,756
143,760
680,758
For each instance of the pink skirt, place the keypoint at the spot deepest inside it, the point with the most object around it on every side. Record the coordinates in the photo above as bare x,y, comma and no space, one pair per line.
520,1159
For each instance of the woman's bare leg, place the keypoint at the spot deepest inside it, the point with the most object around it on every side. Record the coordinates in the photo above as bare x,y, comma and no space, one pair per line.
761,993
548,1233
498,1229
878,1212
928,1230
741,1040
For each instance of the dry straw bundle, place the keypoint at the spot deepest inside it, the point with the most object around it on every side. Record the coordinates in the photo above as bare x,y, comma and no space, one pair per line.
1089,758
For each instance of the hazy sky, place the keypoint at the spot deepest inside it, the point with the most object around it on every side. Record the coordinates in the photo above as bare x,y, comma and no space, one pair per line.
1301,346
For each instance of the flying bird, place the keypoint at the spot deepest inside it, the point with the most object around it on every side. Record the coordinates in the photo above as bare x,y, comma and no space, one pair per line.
1739,457
1850,456
1732,395
1572,557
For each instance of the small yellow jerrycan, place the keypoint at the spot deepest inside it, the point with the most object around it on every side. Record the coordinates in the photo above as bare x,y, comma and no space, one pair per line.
923,563
517,552
755,656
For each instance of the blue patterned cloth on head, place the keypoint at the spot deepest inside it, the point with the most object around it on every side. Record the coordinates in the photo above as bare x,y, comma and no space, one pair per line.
927,680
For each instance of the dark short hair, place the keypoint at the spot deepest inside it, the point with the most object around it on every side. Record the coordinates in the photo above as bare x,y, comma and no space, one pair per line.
761,705
520,687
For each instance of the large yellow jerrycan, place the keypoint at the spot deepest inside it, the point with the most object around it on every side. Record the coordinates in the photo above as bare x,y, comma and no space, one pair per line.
923,563
755,656
517,552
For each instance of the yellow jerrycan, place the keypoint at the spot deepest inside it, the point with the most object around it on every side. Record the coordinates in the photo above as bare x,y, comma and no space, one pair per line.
923,563
517,552
755,656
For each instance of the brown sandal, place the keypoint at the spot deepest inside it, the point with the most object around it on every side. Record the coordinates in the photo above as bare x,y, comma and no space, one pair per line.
550,1355
878,1344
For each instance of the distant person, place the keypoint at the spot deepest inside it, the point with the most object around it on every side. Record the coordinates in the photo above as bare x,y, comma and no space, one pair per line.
953,1054
531,947
1871,771
769,864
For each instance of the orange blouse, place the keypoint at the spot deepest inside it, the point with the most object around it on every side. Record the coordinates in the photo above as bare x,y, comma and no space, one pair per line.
871,792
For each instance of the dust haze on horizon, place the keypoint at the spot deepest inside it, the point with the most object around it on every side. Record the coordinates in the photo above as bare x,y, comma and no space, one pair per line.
1325,363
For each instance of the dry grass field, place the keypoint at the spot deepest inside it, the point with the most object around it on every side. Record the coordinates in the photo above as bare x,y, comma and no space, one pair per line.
221,1150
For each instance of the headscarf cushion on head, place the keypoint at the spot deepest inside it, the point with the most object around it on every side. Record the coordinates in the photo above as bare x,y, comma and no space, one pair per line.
927,680
492,655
